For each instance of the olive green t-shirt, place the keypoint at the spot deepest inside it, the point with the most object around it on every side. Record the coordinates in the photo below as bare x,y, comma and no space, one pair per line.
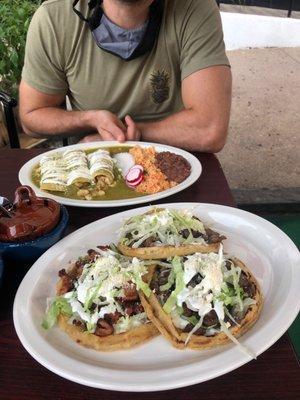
62,57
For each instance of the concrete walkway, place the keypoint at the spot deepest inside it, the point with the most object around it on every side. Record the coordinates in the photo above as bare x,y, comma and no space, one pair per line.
263,148
236,8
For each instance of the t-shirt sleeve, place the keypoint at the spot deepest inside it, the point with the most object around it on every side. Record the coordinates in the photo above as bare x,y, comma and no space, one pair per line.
201,37
43,65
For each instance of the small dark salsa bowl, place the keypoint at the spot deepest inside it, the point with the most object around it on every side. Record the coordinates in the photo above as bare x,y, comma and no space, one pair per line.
28,252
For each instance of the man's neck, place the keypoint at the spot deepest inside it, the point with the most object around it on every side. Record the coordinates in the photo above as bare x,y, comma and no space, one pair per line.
127,16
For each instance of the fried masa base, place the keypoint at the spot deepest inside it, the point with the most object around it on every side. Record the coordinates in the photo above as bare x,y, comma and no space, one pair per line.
177,337
120,341
162,252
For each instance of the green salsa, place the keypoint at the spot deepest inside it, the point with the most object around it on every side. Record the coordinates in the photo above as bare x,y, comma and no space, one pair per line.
119,191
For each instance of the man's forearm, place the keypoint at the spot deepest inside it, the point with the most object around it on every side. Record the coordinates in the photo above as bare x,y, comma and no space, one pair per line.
53,121
186,130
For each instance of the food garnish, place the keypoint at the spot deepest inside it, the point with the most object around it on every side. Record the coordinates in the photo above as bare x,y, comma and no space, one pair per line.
160,232
110,173
124,162
99,296
135,176
207,298
201,299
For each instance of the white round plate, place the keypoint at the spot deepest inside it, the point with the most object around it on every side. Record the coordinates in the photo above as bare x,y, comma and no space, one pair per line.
156,365
196,170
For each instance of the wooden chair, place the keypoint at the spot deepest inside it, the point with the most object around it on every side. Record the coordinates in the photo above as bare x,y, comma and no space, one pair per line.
9,131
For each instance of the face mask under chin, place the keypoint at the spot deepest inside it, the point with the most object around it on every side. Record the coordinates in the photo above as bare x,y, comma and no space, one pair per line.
120,42
125,44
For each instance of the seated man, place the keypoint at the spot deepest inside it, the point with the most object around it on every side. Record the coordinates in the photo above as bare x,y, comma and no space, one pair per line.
152,70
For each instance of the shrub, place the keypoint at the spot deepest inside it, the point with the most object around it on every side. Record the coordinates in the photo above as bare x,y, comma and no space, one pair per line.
15,18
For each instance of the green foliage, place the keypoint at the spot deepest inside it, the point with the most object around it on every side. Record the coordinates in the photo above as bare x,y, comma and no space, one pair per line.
15,16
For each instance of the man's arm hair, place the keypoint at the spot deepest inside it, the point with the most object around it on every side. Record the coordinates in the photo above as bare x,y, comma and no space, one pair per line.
42,115
203,124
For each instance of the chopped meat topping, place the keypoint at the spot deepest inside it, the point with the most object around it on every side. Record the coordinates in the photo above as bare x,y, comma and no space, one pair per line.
104,328
187,312
133,308
210,319
92,254
112,318
150,242
62,273
65,284
246,285
198,332
163,276
130,292
103,247
213,237
196,279
76,322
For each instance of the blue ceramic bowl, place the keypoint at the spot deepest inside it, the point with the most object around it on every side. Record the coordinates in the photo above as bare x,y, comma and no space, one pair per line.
1,268
29,251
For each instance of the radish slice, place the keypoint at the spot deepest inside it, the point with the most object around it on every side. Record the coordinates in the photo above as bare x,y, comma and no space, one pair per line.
133,174
136,169
138,166
135,183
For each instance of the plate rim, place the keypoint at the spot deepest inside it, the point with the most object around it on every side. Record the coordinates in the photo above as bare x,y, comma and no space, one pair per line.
158,386
196,172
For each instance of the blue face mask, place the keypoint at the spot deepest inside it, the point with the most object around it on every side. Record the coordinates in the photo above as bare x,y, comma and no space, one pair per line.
112,38
126,44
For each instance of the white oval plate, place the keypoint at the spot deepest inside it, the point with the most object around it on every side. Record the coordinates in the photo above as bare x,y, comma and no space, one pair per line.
156,365
196,170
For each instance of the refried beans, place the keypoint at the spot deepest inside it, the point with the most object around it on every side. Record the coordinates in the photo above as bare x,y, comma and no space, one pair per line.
175,167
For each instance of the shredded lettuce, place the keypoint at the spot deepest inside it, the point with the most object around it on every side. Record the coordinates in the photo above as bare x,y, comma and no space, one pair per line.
192,320
141,285
90,327
164,225
58,306
179,284
126,323
219,290
196,327
97,289
243,348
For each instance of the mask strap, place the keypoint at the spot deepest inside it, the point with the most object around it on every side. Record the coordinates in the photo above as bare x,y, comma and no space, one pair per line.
92,4
152,31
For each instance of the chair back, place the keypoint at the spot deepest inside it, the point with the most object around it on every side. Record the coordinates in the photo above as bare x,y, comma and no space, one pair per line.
3,131
8,103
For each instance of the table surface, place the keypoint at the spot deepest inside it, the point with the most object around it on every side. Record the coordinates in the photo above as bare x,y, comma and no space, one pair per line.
274,375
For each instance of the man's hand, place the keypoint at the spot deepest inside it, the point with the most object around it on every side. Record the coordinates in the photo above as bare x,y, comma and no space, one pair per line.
42,116
114,125
107,125
133,133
